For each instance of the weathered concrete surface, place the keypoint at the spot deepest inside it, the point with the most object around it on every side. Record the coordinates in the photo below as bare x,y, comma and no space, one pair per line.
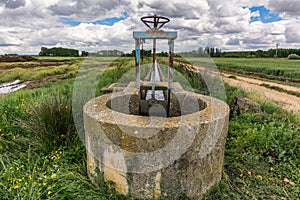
154,156
242,105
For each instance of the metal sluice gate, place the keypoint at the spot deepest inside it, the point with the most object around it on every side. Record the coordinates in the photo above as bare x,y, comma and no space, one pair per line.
154,94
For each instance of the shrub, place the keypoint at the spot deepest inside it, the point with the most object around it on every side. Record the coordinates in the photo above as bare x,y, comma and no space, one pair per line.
51,119
233,77
293,56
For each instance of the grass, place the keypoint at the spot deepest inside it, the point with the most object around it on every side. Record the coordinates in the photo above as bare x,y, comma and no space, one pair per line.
36,71
274,67
261,155
280,89
50,118
29,168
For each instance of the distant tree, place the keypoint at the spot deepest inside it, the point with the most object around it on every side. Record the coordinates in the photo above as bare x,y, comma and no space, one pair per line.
215,52
259,53
200,51
163,54
211,52
293,56
58,51
112,53
84,53
207,50
218,53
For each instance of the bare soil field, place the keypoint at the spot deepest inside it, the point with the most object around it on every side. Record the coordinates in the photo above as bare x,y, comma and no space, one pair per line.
11,62
17,59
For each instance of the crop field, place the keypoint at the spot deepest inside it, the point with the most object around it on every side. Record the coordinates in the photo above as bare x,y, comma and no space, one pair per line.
43,158
269,68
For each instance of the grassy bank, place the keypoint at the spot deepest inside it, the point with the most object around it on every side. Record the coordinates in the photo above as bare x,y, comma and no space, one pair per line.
45,162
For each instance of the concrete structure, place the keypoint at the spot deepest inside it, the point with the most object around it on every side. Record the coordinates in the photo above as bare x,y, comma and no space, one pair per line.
153,138
149,156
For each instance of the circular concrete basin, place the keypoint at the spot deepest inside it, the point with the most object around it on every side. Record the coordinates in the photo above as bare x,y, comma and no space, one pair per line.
150,156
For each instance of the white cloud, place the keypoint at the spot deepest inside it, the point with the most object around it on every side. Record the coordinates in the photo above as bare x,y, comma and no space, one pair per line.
30,24
12,4
287,9
250,3
255,14
292,33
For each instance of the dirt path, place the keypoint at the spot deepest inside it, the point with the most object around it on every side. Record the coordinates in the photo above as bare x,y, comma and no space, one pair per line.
286,101
258,82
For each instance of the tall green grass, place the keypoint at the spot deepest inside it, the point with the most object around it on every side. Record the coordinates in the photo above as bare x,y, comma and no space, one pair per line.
36,162
50,118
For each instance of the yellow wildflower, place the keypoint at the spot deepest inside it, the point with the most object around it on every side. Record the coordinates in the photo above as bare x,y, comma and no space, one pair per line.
291,183
53,175
16,187
49,192
91,165
285,180
260,177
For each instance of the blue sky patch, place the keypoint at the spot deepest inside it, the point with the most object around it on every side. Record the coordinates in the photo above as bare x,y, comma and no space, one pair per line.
69,21
107,21
265,15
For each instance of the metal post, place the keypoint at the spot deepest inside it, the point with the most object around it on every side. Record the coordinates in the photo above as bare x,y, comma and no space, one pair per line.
170,71
137,62
153,68
142,52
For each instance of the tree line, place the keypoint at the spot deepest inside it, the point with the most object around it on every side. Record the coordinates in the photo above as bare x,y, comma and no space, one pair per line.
107,53
58,51
215,52
200,52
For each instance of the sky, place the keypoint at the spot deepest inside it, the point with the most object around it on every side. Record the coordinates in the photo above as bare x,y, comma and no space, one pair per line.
94,25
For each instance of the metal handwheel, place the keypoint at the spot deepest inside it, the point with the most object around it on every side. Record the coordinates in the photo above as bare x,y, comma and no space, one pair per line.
157,21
